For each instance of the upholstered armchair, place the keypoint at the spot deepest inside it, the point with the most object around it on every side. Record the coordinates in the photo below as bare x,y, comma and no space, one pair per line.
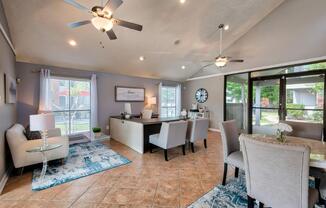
172,134
197,130
231,148
277,175
18,144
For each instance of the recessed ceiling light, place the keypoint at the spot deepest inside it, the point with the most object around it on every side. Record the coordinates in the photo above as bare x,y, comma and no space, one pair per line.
226,27
182,1
72,42
183,67
141,58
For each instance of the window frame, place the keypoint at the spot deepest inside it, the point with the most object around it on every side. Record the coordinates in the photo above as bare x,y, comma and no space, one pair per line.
169,107
69,111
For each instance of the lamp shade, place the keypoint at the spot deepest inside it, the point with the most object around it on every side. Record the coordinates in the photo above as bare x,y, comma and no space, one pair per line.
152,100
42,122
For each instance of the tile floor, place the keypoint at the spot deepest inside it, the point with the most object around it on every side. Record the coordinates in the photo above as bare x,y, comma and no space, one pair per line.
148,181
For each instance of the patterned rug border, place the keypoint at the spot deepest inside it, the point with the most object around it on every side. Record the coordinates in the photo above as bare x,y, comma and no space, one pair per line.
82,176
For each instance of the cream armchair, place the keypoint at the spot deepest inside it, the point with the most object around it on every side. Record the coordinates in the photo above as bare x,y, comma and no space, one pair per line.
18,144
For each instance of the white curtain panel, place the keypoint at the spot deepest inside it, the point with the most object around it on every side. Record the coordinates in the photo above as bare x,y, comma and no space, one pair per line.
159,97
178,100
45,94
94,113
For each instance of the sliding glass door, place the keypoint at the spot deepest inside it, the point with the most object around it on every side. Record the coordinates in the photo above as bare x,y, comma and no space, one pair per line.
294,97
266,104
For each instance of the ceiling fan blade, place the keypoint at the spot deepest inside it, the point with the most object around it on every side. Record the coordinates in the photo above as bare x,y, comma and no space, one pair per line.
111,35
206,66
77,5
129,25
112,5
78,24
236,60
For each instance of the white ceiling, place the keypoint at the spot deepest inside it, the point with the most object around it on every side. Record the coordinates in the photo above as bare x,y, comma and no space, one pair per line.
40,35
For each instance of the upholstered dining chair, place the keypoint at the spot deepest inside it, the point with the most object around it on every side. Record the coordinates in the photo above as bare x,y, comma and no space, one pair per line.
306,130
147,114
172,134
277,175
197,130
231,148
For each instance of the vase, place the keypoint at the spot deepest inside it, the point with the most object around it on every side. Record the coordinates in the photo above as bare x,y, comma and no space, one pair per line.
98,134
280,136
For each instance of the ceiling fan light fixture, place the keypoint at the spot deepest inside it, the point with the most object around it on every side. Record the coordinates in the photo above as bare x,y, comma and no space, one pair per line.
221,62
102,24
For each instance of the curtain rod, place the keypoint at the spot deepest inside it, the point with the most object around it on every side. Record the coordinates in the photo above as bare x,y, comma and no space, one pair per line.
63,75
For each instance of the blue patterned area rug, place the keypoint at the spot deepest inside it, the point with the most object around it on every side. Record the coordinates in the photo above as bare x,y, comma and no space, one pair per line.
233,194
83,160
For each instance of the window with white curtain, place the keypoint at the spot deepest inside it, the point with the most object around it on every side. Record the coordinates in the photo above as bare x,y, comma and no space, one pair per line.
168,105
71,104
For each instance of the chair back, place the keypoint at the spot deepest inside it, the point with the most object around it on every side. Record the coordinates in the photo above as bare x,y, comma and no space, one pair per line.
276,174
306,130
173,133
15,136
147,114
198,129
230,137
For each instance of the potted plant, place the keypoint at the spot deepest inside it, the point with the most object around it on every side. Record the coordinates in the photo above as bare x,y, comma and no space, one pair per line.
97,131
281,128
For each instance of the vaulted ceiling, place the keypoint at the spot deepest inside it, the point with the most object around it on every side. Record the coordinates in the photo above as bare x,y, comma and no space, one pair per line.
40,34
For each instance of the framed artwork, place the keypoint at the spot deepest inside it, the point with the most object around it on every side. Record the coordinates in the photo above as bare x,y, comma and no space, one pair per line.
10,89
129,94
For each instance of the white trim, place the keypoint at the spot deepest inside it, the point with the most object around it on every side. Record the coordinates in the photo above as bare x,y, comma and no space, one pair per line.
260,68
5,178
214,130
7,38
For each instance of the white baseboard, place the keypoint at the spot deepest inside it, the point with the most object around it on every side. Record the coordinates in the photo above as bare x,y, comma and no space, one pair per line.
214,130
5,178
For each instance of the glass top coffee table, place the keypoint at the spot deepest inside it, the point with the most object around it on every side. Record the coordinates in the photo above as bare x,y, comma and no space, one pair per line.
43,149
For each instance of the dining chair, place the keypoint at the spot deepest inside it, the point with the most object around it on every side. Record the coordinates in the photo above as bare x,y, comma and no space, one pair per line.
277,175
172,134
231,148
147,114
306,130
197,130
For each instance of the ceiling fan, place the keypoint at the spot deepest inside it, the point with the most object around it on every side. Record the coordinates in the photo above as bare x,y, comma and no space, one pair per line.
220,60
103,17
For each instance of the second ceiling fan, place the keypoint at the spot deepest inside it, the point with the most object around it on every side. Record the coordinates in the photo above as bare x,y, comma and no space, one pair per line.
103,17
220,60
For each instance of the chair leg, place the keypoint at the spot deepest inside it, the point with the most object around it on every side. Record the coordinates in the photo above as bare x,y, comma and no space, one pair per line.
251,202
225,173
192,147
317,186
236,172
261,205
205,143
150,148
21,171
166,155
184,149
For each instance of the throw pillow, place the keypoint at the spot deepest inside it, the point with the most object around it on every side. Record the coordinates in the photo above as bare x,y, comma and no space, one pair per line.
31,135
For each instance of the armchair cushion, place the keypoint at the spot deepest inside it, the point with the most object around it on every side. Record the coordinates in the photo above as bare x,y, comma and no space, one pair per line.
31,135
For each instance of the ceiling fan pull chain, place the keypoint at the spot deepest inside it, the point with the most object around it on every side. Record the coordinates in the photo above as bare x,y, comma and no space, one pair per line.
221,34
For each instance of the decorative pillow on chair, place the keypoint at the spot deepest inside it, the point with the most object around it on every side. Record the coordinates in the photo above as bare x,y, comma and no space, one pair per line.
31,135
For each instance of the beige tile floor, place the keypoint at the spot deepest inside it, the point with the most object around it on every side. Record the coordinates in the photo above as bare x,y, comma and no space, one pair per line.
148,181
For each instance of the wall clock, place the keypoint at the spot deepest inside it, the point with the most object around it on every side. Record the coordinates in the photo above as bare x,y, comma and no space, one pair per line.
201,95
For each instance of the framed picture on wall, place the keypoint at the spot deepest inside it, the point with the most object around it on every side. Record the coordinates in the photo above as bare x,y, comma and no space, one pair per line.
129,94
10,89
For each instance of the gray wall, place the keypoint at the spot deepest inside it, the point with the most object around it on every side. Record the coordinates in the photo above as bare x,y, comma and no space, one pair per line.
214,103
293,32
7,111
28,90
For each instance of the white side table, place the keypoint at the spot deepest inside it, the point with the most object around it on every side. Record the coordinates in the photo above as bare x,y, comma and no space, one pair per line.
43,149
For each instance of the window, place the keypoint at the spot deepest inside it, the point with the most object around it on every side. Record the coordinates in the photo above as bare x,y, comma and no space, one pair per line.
71,104
168,101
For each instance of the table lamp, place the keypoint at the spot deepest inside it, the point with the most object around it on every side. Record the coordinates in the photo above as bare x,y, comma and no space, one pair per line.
43,123
152,101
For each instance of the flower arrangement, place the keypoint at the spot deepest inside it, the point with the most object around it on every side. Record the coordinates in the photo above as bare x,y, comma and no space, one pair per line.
281,129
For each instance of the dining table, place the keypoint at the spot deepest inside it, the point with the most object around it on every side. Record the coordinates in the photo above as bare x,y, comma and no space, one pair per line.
317,148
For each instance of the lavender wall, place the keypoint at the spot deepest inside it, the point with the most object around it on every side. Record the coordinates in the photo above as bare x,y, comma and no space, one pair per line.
28,90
